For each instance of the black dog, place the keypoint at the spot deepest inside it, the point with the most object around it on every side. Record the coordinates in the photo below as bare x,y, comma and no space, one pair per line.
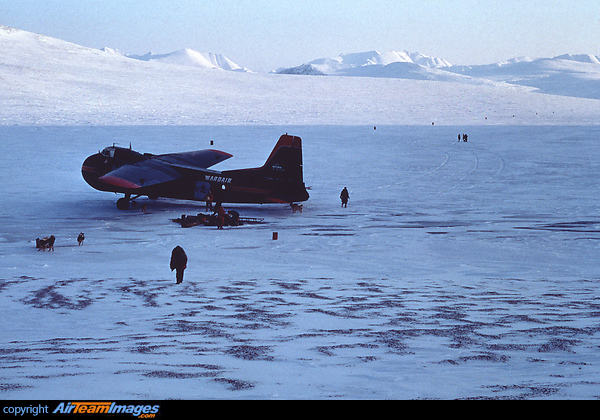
45,243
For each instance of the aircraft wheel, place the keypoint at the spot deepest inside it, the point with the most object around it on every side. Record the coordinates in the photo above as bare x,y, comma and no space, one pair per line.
123,204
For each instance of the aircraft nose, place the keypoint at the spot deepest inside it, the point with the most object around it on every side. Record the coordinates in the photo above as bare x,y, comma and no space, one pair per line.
90,169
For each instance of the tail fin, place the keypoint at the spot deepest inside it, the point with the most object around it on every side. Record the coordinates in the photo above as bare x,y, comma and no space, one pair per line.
285,161
279,180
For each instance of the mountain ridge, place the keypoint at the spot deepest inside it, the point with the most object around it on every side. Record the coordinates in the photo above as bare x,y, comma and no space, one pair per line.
567,75
576,75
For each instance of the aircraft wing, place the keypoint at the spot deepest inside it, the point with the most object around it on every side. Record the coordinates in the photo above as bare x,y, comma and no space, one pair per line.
142,174
162,168
200,159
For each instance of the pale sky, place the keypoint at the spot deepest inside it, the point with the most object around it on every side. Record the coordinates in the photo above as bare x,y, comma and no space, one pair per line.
266,35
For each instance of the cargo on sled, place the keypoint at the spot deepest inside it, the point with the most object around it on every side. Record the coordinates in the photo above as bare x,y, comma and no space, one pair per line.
232,218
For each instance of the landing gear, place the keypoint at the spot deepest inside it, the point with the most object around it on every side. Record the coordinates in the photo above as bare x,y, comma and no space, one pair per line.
125,202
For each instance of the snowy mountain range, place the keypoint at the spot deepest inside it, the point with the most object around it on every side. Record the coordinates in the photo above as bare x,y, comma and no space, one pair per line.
344,64
568,75
44,80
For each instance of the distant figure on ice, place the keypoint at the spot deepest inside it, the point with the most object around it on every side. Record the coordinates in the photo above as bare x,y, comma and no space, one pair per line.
459,137
344,196
178,262
80,238
209,200
465,138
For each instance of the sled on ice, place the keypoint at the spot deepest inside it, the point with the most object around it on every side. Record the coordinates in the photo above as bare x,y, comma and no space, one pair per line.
232,218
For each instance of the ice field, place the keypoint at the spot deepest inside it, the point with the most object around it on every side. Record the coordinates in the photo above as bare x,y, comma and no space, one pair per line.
458,270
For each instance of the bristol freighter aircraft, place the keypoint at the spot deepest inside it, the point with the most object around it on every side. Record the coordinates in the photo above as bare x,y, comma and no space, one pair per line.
187,176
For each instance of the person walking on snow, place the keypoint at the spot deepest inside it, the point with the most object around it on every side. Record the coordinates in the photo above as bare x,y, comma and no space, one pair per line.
178,262
344,196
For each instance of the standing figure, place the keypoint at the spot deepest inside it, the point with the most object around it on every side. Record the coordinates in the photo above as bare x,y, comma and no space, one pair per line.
80,238
344,196
209,199
178,262
220,216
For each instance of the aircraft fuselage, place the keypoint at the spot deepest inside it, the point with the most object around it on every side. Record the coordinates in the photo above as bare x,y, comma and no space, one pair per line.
122,170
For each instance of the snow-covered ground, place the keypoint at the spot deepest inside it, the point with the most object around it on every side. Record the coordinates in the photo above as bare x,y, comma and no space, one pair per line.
458,270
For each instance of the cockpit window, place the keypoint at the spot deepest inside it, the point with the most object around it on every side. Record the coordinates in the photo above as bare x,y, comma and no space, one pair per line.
109,152
122,154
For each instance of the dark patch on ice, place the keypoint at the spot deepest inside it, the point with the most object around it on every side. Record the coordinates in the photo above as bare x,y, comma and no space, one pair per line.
147,349
342,314
325,350
12,387
259,316
582,226
508,319
556,330
426,224
162,374
139,288
289,285
5,283
312,295
485,357
507,347
50,298
531,391
235,384
449,313
212,308
331,231
14,356
11,351
330,350
183,326
248,352
558,345
393,340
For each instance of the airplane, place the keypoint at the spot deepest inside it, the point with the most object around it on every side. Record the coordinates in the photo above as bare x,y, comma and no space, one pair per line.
187,176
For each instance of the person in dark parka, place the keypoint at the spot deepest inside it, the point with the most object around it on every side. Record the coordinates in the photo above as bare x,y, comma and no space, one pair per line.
344,196
178,262
220,212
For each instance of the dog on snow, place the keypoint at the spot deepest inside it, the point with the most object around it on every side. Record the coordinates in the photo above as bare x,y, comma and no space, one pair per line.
45,243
